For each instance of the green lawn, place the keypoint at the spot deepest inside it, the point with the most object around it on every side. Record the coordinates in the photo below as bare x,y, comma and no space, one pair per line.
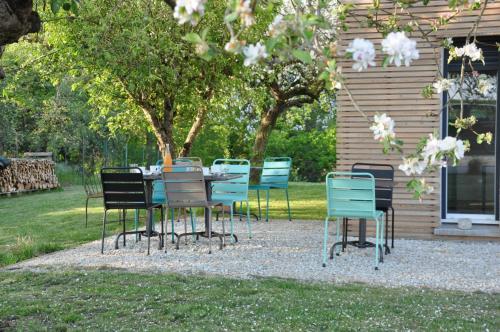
44,222
116,300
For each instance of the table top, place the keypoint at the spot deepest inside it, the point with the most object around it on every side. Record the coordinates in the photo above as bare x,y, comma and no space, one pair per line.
207,177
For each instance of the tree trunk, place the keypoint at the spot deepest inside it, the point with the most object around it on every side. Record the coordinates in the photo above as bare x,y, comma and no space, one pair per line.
193,132
162,129
17,19
267,123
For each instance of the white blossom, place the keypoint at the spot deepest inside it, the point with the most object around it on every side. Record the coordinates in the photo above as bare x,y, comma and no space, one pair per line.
234,45
485,83
383,128
431,150
189,11
412,166
253,53
470,50
452,145
443,85
244,9
363,53
400,48
277,27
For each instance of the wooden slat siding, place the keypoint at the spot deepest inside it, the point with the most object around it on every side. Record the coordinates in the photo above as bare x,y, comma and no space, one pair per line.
396,91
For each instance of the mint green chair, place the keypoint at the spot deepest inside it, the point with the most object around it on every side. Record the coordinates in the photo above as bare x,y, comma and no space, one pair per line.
352,195
275,174
230,192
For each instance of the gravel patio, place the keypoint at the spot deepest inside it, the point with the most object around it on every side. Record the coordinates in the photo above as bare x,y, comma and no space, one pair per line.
293,250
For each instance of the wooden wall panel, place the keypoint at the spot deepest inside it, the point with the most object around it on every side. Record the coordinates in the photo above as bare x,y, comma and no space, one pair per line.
396,91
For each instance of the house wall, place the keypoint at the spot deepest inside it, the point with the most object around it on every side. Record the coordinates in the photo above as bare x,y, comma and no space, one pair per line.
396,91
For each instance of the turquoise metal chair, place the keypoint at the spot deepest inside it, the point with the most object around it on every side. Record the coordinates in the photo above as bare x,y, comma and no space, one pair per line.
352,195
275,174
230,192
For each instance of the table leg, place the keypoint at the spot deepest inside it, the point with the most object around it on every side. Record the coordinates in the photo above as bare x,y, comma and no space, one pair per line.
362,232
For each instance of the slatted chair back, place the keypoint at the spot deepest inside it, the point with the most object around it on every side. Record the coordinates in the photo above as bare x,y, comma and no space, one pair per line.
384,182
92,184
276,172
185,187
195,161
123,188
158,185
350,195
234,189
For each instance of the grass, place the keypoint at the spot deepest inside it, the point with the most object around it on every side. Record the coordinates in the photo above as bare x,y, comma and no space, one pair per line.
116,300
39,223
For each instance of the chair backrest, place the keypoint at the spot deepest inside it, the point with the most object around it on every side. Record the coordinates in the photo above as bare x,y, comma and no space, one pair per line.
349,195
384,182
185,187
158,185
234,189
276,171
91,183
123,188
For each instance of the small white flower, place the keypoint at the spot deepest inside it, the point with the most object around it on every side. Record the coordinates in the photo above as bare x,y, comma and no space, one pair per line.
234,45
443,85
277,27
448,144
485,84
449,41
412,166
253,53
383,128
431,150
470,50
189,11
244,9
400,48
201,48
363,53
460,149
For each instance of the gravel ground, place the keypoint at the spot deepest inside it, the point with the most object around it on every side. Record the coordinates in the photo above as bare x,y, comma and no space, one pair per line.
293,250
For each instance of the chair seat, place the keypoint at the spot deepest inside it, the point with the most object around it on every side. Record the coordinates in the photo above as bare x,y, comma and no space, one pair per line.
356,214
96,195
259,187
131,206
193,204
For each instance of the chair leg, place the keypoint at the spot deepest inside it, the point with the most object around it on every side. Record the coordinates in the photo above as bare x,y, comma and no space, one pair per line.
392,227
185,227
258,203
386,240
193,223
241,210
231,223
161,238
86,211
382,239
210,230
166,228
223,229
148,228
172,211
124,230
288,204
377,235
103,231
325,241
267,205
136,223
249,225
337,234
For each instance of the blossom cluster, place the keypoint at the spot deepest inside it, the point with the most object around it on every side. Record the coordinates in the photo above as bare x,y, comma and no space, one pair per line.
435,153
470,50
189,11
245,12
254,53
383,128
443,85
363,53
277,27
398,48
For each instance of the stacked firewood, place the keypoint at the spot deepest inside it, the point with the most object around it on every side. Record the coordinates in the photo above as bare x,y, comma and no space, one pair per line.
28,174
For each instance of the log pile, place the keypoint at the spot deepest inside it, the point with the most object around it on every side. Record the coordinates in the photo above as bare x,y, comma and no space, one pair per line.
28,175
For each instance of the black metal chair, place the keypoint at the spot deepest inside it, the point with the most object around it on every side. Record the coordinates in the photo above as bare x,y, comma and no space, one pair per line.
384,184
123,189
93,189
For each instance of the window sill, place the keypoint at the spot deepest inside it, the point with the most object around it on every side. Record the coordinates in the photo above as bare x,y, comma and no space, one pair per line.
447,229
